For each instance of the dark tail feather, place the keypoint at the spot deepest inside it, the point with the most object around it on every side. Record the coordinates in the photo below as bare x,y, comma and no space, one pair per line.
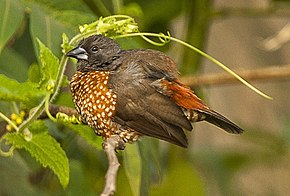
221,121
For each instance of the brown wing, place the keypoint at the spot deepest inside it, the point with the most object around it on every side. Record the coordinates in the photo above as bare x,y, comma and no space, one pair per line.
140,106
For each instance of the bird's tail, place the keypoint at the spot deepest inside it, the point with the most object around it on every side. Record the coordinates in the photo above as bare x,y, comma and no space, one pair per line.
220,121
193,107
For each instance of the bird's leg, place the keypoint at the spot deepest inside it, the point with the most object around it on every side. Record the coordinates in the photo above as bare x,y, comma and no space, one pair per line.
110,146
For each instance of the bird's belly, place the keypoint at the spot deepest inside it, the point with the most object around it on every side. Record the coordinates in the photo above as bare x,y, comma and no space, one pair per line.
96,104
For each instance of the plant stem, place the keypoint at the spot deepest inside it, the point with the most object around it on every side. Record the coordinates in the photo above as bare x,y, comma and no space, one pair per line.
203,54
59,76
117,5
33,116
9,121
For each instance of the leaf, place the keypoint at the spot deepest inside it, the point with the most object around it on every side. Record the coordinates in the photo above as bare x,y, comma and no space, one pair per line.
78,180
150,157
11,16
14,173
73,18
49,63
44,148
181,179
34,73
132,166
87,133
13,64
27,92
45,28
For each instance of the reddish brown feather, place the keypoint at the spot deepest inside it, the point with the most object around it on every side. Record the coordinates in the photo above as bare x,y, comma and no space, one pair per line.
183,96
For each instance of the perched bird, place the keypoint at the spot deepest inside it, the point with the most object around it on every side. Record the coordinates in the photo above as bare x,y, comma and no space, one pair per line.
135,92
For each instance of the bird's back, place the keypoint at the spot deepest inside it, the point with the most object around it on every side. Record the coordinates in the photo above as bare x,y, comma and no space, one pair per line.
139,105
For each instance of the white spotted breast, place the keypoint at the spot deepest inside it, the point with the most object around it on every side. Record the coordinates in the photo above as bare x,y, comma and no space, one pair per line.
94,101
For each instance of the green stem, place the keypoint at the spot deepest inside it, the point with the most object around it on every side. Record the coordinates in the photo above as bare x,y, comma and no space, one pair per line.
41,106
36,113
197,23
15,108
47,99
59,77
117,5
8,153
203,54
9,121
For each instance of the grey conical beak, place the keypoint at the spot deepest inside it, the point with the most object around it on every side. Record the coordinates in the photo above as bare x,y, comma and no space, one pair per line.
78,53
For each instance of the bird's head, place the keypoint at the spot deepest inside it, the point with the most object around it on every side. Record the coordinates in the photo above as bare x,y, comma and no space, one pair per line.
95,53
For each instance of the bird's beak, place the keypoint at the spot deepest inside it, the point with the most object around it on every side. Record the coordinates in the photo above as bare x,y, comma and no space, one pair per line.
78,53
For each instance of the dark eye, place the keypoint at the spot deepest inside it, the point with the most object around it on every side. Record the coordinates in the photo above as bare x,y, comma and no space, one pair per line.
94,48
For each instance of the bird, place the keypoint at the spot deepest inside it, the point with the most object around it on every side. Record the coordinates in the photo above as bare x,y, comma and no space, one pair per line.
134,93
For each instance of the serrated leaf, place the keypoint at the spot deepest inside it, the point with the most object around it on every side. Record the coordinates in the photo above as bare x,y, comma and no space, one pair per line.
44,148
87,133
49,63
11,16
132,166
27,92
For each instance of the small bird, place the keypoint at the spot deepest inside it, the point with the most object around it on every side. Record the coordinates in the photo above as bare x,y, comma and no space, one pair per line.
131,93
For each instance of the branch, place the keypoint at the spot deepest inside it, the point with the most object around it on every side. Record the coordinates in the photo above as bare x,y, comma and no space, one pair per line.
251,12
54,109
110,146
262,74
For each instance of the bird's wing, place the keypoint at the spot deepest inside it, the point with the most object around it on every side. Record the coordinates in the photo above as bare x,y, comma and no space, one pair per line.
155,120
141,107
165,82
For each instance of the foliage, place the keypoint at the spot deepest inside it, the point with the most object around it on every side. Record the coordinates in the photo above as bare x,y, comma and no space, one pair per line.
43,148
32,67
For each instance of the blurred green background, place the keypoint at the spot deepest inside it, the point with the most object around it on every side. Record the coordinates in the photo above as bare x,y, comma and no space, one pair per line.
233,31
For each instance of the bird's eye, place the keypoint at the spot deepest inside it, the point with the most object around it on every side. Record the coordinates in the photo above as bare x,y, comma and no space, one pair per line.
94,49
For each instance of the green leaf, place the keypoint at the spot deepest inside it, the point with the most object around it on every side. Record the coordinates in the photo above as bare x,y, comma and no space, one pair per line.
150,158
14,173
49,63
73,18
11,16
34,73
44,148
132,166
27,92
46,28
13,64
87,133
181,179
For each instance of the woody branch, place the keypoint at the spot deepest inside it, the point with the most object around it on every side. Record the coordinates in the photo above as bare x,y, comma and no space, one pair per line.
268,74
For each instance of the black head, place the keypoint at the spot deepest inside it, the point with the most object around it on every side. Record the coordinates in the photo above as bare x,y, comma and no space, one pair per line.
96,52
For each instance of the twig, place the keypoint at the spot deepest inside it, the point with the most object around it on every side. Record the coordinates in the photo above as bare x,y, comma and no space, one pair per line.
250,12
54,109
262,74
110,146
